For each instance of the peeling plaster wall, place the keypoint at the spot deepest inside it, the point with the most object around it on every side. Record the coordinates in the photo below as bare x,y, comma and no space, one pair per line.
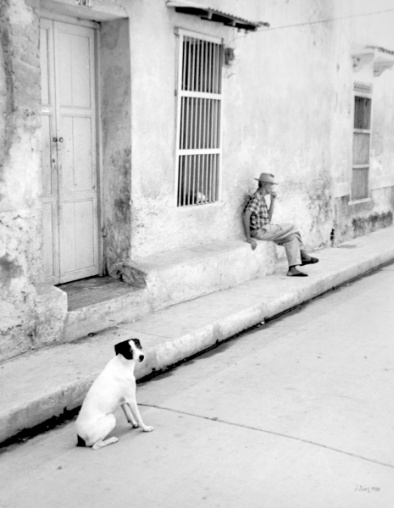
116,140
20,216
287,109
277,108
359,218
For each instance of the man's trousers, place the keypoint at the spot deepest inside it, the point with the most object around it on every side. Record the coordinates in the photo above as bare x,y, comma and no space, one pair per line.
283,234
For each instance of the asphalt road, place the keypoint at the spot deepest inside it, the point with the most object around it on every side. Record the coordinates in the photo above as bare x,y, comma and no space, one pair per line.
296,413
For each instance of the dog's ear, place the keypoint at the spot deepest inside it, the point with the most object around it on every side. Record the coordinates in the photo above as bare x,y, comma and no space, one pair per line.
137,343
124,348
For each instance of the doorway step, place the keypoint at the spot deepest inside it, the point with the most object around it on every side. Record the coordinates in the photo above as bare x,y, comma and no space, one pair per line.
170,278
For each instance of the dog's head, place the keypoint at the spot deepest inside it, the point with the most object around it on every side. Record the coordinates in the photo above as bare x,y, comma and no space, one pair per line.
130,349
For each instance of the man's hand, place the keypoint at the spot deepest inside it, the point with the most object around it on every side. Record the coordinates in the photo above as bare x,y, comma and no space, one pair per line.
252,242
273,194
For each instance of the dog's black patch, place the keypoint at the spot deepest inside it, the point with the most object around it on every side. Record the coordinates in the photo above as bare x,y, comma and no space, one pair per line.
124,349
137,343
80,441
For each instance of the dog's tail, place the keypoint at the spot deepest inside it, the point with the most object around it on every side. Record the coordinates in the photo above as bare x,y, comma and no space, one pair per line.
80,441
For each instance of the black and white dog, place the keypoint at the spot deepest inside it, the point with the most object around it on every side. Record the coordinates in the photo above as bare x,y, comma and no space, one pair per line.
114,387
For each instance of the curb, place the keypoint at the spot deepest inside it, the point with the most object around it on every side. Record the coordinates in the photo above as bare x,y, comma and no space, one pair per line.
340,267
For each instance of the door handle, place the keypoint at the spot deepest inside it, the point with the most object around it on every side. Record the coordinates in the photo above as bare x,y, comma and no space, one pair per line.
54,140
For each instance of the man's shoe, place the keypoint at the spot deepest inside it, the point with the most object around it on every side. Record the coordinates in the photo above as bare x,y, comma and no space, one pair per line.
293,272
309,261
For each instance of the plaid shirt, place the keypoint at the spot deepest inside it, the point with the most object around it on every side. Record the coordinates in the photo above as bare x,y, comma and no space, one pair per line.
259,211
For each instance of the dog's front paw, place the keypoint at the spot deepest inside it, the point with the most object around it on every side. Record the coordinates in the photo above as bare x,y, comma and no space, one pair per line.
148,428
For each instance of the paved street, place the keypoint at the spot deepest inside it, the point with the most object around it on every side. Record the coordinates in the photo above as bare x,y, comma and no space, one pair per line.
296,413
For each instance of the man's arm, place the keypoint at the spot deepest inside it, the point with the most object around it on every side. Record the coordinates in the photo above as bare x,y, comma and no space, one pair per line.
246,221
271,208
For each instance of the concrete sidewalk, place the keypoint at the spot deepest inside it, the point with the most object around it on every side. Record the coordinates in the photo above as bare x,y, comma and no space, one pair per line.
45,383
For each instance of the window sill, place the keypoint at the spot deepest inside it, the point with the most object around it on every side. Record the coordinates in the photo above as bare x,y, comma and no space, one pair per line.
217,204
359,201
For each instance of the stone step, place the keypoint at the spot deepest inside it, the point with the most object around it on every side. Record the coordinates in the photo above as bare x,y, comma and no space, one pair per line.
165,280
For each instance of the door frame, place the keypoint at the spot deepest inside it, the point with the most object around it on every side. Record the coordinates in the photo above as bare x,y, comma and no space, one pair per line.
53,16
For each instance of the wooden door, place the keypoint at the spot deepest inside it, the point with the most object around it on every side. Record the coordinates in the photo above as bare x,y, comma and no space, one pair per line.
70,224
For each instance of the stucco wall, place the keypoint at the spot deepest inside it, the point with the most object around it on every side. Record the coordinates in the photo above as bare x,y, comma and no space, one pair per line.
277,109
287,109
114,54
370,24
20,215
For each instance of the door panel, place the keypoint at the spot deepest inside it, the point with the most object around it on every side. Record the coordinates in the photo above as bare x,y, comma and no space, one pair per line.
49,155
73,164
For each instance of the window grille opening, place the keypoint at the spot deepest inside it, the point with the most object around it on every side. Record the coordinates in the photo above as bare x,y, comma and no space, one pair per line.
199,115
360,183
361,147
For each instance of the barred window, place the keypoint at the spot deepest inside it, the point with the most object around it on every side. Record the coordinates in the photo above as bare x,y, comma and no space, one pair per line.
361,141
199,117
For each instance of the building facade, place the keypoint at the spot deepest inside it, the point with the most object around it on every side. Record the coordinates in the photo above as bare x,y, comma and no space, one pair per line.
134,128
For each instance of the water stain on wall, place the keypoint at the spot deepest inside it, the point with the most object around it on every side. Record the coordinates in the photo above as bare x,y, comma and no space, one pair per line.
9,270
364,225
7,102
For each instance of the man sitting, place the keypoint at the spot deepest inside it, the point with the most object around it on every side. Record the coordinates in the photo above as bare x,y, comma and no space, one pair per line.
257,224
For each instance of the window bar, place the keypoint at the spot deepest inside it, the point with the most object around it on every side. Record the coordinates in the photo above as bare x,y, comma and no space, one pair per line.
179,181
211,190
188,195
183,180
198,157
209,172
201,70
191,186
220,65
207,127
193,65
206,67
202,123
191,123
195,145
183,190
199,122
206,123
213,185
209,66
182,130
207,176
189,126
201,186
212,67
194,178
211,123
215,180
184,66
202,66
198,63
215,80
214,193
188,62
215,124
186,143
207,182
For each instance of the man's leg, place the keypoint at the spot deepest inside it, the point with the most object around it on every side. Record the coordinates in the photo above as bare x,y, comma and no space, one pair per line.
289,237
